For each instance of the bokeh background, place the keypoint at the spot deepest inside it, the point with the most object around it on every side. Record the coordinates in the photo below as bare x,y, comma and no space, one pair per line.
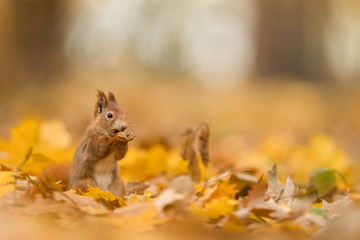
268,76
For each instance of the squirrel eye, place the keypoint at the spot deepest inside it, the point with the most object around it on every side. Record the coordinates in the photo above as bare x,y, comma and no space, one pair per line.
109,115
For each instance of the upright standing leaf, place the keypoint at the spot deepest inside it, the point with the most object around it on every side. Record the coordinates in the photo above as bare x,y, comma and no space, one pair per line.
195,148
323,180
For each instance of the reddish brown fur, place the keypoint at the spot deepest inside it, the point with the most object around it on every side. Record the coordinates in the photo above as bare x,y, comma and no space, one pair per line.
98,142
56,173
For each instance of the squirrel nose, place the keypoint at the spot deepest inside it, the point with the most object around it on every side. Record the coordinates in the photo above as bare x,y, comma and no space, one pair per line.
123,127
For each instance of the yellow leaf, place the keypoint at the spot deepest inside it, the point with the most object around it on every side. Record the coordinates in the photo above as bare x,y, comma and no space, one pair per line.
96,192
320,152
136,198
224,189
317,205
220,207
176,165
215,208
6,177
26,134
53,134
50,142
37,163
151,162
232,227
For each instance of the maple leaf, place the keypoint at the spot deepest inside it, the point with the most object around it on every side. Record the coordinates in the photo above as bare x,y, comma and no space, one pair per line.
223,189
320,152
6,177
277,190
195,149
167,198
50,141
107,196
274,185
137,198
215,208
182,184
338,207
259,203
135,187
324,180
171,196
151,162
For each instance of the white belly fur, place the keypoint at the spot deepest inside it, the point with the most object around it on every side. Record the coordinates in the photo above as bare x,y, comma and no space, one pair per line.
103,171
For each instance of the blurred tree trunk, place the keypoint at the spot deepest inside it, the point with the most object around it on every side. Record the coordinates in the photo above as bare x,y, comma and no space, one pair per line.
290,38
34,49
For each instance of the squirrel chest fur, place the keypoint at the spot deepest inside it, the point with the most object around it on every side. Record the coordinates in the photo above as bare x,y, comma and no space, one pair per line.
103,171
105,141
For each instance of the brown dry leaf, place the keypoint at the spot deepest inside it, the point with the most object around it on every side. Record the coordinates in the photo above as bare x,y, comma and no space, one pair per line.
202,142
135,187
311,221
166,198
134,198
71,196
245,177
338,207
195,147
258,203
277,190
244,182
223,189
182,184
289,191
302,206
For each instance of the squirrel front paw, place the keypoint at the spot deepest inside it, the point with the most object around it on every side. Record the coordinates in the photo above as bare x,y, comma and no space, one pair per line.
126,137
130,135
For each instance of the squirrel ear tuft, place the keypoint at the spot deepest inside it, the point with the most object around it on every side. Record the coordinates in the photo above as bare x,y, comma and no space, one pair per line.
111,97
100,102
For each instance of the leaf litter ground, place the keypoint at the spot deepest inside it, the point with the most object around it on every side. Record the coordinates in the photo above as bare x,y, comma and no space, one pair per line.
178,193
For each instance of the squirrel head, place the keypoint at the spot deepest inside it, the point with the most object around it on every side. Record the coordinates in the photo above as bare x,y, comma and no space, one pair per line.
108,117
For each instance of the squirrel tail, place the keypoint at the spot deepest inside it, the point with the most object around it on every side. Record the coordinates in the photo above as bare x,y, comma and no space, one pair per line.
58,172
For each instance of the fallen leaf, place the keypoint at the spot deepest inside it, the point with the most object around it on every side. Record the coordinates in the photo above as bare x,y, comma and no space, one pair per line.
338,207
107,196
195,149
277,190
50,142
223,189
6,177
323,180
135,187
182,184
215,208
166,198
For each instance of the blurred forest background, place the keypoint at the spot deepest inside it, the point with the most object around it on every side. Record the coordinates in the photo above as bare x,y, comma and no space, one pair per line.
258,71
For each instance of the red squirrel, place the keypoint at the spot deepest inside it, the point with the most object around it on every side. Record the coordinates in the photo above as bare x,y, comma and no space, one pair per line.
104,142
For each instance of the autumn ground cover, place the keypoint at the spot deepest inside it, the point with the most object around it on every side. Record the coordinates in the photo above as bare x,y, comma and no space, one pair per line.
206,164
